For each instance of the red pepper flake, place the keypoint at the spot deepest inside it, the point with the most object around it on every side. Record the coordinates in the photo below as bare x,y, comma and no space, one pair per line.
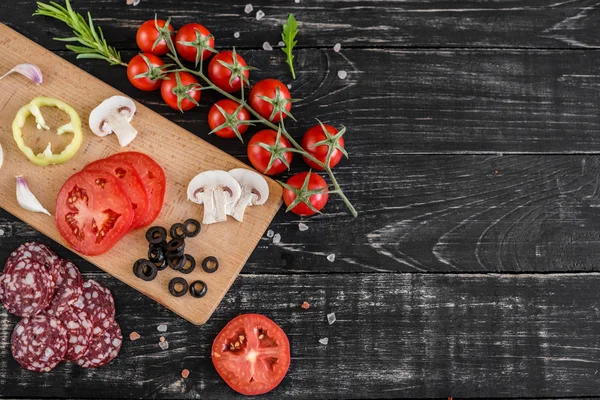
305,305
496,172
162,338
134,336
185,373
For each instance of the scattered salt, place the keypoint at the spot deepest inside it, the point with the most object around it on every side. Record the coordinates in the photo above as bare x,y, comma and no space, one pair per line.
337,47
331,318
162,328
185,373
324,341
136,2
267,46
305,305
270,233
281,44
259,15
236,35
289,85
248,9
297,1
164,345
162,339
331,258
342,74
276,238
134,336
1,232
302,227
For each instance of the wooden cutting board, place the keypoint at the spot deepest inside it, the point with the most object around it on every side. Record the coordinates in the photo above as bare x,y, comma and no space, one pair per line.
181,154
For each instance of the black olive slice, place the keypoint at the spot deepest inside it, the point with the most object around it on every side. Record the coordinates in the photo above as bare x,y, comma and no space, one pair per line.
178,287
198,289
161,265
191,227
155,254
210,264
145,270
156,235
177,231
175,246
176,263
188,265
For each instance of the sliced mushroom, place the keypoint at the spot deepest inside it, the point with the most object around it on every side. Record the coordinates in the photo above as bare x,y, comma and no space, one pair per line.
113,116
217,190
255,191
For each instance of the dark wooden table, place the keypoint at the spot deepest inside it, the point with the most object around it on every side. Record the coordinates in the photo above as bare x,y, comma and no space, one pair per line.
473,130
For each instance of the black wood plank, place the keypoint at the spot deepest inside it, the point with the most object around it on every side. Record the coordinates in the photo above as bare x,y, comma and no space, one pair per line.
395,336
364,23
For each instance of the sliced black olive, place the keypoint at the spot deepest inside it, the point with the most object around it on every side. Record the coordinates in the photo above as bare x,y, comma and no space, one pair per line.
177,231
210,264
188,265
178,254
156,235
191,227
178,287
145,270
175,246
155,254
198,289
176,262
161,265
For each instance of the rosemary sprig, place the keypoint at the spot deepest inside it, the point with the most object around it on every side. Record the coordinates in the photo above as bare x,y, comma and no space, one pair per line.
91,39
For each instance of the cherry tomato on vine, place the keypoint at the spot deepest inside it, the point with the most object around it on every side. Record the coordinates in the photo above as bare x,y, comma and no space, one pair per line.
260,157
147,35
216,118
316,135
271,109
302,188
220,74
188,89
138,66
190,38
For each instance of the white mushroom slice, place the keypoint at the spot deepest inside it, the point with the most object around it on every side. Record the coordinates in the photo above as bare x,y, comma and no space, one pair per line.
216,190
255,191
113,116
1,156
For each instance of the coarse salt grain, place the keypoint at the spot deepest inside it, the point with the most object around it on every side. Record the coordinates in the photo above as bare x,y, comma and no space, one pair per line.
281,44
331,318
297,1
324,341
270,233
185,373
342,74
276,238
331,258
248,9
134,336
289,85
1,232
267,46
162,339
305,305
259,15
136,2
162,328
302,227
236,35
164,345
337,47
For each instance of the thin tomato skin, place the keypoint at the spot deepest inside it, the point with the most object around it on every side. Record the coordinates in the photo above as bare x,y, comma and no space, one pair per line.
230,366
187,33
259,157
220,75
147,34
317,200
267,88
215,118
137,66
315,135
166,90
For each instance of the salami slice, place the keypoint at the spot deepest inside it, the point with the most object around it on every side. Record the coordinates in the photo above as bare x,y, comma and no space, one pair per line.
27,288
39,343
38,252
79,332
99,306
68,288
103,349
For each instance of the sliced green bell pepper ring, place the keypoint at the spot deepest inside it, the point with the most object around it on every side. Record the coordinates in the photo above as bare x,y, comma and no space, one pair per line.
47,157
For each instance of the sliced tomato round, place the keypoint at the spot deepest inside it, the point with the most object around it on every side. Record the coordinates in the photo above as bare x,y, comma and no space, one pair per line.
153,178
251,354
93,212
131,182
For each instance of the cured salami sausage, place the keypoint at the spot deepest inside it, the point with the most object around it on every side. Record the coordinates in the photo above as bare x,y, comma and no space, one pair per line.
103,349
39,343
99,305
27,288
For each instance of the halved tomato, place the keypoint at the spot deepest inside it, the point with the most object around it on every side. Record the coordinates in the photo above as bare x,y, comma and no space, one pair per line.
251,354
93,212
153,178
131,182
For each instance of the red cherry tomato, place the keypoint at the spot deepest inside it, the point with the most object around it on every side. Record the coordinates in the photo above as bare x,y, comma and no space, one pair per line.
215,118
315,135
220,75
138,65
259,156
315,182
147,35
188,33
169,88
268,88
251,354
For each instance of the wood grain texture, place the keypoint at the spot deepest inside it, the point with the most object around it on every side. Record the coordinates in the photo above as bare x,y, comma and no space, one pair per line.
396,335
354,23
180,154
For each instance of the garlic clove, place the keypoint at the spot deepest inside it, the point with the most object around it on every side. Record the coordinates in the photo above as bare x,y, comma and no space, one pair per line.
1,156
26,199
28,70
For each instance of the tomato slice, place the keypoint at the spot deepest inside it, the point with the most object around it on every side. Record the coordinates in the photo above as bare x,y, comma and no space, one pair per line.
131,183
153,178
251,354
93,212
